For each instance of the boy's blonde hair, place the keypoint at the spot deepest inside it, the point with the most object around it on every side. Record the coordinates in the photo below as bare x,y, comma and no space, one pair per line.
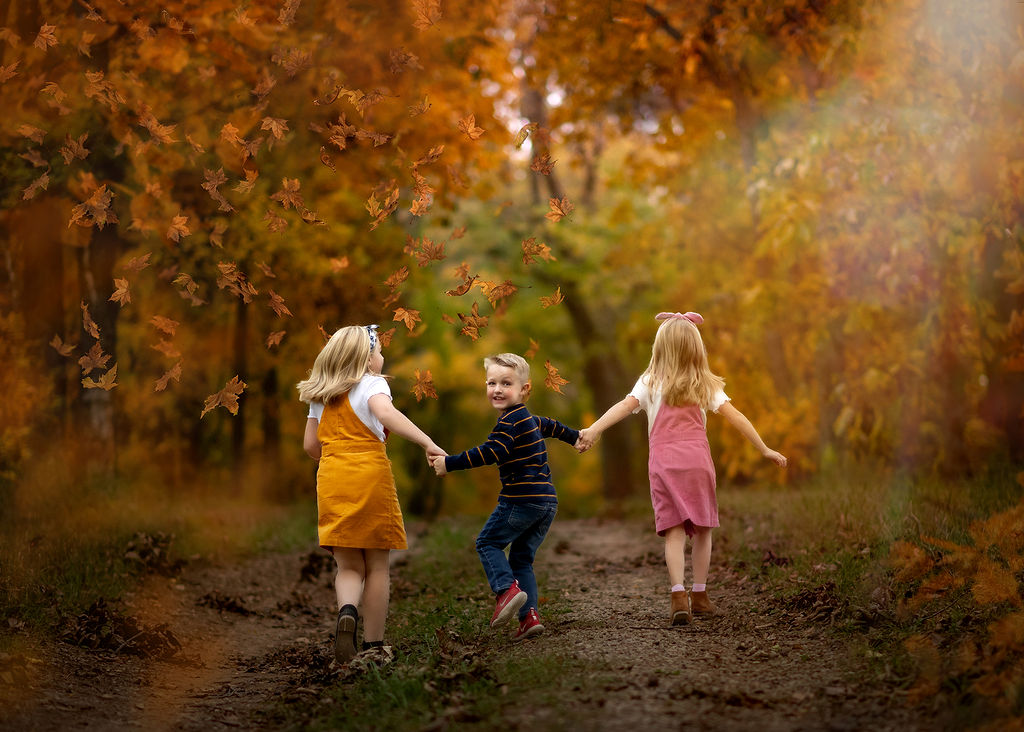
339,366
679,366
512,361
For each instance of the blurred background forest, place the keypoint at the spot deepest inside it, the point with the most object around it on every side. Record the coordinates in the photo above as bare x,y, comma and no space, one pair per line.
194,192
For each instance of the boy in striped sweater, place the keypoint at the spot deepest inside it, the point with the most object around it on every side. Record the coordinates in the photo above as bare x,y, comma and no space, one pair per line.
527,502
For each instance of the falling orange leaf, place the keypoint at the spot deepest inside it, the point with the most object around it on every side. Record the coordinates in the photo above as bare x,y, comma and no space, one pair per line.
95,211
226,397
533,248
463,288
276,126
532,350
275,338
94,359
278,306
397,278
496,292
137,264
553,380
173,373
428,13
338,263
556,298
88,324
473,322
46,37
468,125
385,337
39,184
106,382
543,164
289,196
165,325
409,317
64,349
167,349
559,209
424,386
122,295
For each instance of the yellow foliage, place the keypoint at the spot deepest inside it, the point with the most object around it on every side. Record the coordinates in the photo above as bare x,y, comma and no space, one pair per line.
910,561
994,584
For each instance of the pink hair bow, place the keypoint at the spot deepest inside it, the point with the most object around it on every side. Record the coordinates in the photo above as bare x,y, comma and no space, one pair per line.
694,318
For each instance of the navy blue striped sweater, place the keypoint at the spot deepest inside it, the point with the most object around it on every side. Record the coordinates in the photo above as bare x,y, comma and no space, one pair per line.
516,446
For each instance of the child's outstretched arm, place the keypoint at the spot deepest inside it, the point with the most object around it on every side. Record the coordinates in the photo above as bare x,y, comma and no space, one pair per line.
401,425
740,422
310,442
615,414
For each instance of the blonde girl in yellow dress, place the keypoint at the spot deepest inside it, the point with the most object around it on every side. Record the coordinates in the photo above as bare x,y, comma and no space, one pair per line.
359,518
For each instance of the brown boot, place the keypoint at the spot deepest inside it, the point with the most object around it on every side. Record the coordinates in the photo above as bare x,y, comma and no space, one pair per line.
701,604
680,607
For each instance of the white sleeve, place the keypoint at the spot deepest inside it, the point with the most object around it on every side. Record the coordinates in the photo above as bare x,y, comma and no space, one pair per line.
316,410
377,385
642,394
718,400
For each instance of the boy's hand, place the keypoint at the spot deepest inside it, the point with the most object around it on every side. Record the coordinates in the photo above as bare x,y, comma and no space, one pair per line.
777,457
438,464
585,441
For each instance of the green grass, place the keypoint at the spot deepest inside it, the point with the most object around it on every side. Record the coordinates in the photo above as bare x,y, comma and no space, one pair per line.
449,665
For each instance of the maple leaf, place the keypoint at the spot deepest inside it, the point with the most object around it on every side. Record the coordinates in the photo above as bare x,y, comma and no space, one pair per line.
46,37
85,43
64,349
462,271
386,336
559,209
95,211
276,126
424,386
532,350
88,324
32,155
429,252
172,373
274,339
107,382
229,133
420,206
524,132
8,72
416,110
409,317
246,185
53,89
39,184
294,61
553,380
178,228
397,277
458,233
217,235
103,91
473,322
165,325
235,281
122,296
533,248
287,15
94,359
432,155
468,125
495,292
74,149
137,264
463,288
266,270
278,306
196,147
186,282
428,13
338,263
401,60
542,164
33,133
289,196
166,348
556,298
226,397
275,224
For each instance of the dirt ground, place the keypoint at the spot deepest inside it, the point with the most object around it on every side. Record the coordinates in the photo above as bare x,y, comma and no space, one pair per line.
257,631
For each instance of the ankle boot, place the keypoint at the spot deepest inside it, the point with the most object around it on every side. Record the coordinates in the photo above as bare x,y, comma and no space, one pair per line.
680,607
701,604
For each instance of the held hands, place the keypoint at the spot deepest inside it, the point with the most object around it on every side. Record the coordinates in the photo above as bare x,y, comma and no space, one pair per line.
587,439
437,463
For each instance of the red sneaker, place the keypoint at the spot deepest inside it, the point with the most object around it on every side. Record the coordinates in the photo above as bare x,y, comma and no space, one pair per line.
508,605
529,626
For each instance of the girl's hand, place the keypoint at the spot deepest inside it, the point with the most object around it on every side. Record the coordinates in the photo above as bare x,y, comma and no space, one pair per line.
588,438
438,463
777,457
434,451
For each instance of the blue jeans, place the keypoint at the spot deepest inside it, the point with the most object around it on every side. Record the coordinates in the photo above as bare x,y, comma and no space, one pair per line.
523,526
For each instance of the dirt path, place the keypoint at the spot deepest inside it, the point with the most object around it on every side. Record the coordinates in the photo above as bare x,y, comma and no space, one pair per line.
257,631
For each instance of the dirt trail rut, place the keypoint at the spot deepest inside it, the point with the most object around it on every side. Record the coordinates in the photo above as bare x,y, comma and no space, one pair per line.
257,631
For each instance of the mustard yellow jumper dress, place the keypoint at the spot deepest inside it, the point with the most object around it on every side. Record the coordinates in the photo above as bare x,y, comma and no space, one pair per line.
357,503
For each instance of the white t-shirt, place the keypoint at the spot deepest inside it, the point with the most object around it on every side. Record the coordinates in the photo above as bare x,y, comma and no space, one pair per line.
359,399
651,403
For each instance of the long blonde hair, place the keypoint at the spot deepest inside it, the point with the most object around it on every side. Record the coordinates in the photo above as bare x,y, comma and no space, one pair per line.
339,366
679,366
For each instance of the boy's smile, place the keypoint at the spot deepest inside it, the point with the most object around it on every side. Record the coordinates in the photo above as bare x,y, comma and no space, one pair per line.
504,388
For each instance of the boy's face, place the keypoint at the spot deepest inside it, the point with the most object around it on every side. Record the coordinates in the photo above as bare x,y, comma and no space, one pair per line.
504,387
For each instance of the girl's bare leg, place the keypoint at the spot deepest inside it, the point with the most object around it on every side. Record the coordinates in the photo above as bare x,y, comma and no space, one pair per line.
701,554
378,590
348,582
675,559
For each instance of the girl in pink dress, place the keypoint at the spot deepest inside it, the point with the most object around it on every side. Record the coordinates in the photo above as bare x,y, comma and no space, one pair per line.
676,391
